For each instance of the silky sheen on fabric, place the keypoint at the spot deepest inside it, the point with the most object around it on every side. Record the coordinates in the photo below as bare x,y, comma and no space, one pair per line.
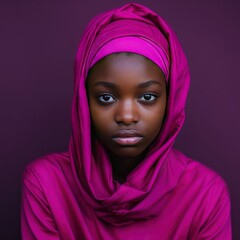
139,46
167,196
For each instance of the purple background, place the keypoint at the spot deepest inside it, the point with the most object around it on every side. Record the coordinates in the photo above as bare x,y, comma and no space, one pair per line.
38,41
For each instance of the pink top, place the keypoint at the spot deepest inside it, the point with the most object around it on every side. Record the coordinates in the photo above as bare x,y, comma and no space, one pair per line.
167,196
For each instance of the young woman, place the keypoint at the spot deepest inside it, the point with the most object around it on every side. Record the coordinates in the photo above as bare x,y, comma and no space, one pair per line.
122,178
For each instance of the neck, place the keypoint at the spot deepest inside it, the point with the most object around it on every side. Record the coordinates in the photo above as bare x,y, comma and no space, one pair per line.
122,166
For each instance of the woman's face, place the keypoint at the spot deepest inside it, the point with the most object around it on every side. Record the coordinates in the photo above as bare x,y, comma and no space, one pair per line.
127,99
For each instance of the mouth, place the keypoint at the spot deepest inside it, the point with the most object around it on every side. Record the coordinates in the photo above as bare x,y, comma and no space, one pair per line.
127,138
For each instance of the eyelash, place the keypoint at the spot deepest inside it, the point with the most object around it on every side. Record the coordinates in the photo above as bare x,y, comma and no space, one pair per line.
151,96
101,101
105,95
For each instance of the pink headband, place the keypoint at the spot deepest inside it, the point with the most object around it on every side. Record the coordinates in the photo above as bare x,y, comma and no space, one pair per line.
138,45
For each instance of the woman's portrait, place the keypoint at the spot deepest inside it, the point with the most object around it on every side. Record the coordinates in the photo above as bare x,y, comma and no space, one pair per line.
120,120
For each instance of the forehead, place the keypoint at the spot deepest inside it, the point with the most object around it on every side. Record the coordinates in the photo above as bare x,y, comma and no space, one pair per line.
126,66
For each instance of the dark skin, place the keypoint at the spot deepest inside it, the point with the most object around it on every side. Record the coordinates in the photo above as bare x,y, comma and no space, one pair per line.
127,100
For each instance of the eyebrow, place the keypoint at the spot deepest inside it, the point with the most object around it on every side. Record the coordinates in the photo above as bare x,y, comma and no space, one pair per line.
149,83
141,85
106,84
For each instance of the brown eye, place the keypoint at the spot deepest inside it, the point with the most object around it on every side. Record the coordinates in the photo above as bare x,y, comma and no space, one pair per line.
106,98
148,98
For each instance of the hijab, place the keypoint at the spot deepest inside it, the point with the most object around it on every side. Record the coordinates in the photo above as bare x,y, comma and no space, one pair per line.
148,186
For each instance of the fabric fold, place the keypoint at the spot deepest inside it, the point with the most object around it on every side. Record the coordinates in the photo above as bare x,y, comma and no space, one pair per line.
150,184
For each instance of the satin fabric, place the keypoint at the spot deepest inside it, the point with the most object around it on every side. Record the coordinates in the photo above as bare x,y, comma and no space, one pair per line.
142,195
138,45
167,196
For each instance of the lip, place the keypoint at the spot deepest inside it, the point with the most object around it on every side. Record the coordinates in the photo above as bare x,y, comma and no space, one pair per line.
127,137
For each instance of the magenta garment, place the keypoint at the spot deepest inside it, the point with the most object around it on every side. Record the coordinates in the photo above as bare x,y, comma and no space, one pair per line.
136,45
167,196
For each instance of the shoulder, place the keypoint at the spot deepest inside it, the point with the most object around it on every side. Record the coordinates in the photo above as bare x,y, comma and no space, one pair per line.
46,167
202,185
206,177
207,189
207,195
199,174
210,193
40,194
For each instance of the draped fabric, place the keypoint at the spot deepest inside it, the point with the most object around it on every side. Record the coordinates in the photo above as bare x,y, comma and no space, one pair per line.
137,45
146,189
168,196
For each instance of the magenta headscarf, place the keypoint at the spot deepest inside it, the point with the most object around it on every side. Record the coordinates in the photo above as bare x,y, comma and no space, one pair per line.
157,53
147,187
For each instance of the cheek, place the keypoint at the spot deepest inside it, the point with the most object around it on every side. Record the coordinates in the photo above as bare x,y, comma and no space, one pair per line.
153,121
101,120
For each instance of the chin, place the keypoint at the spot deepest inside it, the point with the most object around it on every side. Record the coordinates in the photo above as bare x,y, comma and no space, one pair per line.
127,152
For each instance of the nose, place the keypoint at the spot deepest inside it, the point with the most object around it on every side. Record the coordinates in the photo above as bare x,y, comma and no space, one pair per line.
127,112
